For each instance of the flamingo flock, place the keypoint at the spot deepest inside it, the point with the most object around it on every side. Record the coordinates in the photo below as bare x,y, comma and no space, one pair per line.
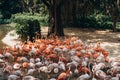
56,59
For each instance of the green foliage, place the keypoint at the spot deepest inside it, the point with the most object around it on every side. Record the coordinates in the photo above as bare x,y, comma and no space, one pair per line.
9,7
1,16
4,21
118,26
104,21
26,25
98,21
21,18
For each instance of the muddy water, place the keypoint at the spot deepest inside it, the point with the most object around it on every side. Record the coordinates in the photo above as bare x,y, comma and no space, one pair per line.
4,29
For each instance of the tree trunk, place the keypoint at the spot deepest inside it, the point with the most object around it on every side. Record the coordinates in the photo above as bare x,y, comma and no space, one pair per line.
55,17
59,28
74,14
114,26
25,6
55,26
115,19
51,23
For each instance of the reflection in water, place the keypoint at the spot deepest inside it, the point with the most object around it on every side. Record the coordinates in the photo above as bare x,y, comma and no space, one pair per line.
3,31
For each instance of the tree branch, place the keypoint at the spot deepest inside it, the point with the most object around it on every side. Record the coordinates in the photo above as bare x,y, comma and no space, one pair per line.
46,3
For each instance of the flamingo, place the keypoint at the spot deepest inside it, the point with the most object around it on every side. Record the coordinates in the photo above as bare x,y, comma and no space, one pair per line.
55,70
2,56
29,78
18,73
13,77
31,65
16,66
62,76
100,74
31,71
84,77
38,64
32,60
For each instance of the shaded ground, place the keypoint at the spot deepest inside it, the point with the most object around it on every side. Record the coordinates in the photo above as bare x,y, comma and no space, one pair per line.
110,41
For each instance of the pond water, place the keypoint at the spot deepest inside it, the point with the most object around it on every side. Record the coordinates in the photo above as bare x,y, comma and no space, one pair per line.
4,29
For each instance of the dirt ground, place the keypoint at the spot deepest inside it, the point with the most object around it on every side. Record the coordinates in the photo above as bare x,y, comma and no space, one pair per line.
110,40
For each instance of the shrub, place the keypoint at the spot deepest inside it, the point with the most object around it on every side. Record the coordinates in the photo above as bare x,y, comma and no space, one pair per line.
98,21
4,21
43,20
26,26
6,14
87,22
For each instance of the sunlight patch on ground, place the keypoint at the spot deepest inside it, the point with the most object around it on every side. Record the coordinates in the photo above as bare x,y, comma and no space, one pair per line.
11,39
94,40
72,34
102,32
118,35
113,48
110,41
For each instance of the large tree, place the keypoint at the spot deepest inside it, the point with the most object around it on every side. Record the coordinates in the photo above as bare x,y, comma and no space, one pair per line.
113,7
31,6
9,7
54,7
108,7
